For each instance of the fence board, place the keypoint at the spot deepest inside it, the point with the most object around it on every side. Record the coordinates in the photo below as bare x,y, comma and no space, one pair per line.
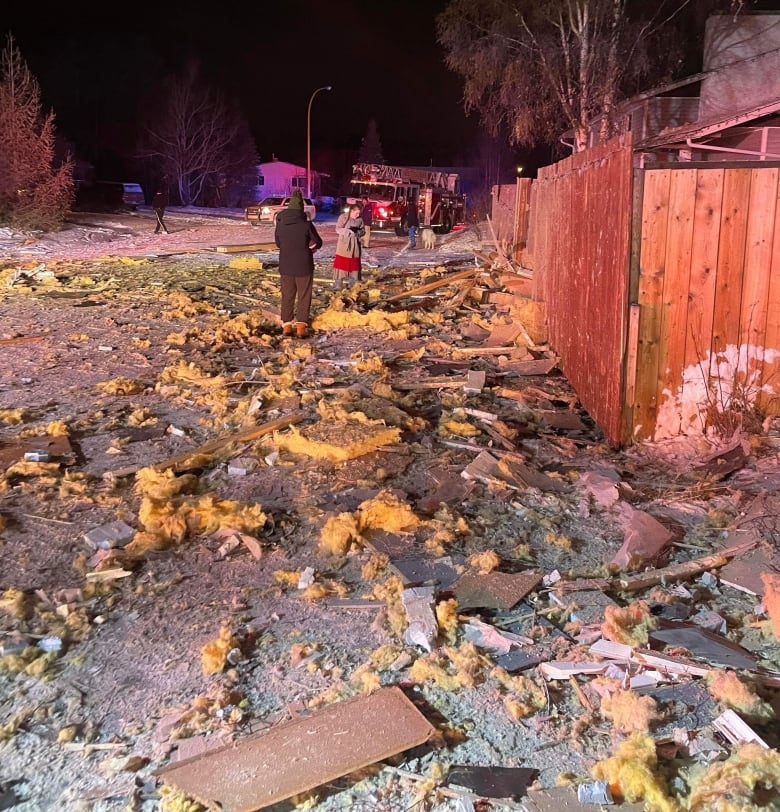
652,262
701,295
769,397
674,313
731,258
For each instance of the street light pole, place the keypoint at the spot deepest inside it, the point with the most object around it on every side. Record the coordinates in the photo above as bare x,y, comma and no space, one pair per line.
308,139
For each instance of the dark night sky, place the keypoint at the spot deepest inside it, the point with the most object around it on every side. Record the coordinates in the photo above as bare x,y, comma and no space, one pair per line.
94,61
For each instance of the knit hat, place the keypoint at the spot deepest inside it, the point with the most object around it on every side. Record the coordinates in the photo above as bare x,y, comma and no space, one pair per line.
296,200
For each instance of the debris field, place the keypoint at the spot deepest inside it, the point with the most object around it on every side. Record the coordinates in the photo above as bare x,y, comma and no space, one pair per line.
393,566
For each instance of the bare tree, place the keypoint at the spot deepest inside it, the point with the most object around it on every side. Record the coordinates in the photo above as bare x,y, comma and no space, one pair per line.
197,140
540,67
371,146
36,191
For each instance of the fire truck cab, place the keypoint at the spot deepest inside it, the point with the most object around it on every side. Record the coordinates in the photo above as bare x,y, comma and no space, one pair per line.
392,189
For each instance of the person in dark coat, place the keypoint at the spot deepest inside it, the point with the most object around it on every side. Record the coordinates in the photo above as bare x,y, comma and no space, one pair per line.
412,223
159,204
297,239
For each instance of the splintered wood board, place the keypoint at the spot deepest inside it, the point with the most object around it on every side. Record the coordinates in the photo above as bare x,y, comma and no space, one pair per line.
301,754
254,246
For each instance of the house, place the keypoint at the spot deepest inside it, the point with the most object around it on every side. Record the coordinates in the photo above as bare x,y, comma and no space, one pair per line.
656,255
277,177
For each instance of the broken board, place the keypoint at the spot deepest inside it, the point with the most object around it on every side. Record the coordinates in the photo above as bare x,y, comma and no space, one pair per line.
301,754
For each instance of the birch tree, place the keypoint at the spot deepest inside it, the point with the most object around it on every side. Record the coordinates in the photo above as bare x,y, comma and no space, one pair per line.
36,191
197,140
541,67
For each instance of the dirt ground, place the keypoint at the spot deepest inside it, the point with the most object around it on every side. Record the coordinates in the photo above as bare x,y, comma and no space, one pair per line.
122,350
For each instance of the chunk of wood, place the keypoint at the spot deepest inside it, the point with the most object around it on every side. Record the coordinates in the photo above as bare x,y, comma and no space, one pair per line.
453,277
660,662
684,571
302,754
213,445
252,246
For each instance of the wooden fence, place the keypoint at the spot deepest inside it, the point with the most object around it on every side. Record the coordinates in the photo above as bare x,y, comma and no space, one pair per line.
579,239
708,294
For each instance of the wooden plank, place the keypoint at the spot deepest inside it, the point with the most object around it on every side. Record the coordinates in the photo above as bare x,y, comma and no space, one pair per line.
755,288
301,754
209,448
728,285
254,246
631,353
674,314
701,295
655,216
446,280
768,400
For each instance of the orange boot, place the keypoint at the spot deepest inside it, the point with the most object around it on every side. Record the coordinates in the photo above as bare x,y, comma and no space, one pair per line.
287,329
302,330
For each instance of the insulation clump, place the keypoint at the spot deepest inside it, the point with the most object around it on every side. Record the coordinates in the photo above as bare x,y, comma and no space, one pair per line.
748,781
727,688
771,583
354,438
629,625
213,655
629,712
632,773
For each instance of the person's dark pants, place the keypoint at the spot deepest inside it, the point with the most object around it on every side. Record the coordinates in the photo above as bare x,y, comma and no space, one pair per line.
160,224
296,298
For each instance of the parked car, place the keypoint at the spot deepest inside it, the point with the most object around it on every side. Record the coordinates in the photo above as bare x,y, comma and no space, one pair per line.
109,195
267,209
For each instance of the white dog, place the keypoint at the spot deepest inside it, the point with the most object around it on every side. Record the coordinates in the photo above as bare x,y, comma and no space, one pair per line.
428,238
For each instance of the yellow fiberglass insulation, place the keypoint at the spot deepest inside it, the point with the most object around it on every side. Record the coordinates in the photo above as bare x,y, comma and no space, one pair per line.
728,689
447,618
485,562
338,534
163,484
748,781
629,625
338,442
188,373
771,584
632,773
457,428
629,712
213,655
205,515
336,318
121,386
386,512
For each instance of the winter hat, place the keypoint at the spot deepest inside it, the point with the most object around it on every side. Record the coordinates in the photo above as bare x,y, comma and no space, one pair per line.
296,200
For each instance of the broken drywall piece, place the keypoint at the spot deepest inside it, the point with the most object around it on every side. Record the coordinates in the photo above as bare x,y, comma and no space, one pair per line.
488,637
516,475
736,730
492,782
644,537
603,487
565,798
301,754
475,381
422,627
494,590
704,644
107,536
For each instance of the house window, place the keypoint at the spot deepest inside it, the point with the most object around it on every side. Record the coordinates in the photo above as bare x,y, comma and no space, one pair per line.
299,182
261,180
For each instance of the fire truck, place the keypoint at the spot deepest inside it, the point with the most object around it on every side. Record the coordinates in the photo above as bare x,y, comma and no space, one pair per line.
392,189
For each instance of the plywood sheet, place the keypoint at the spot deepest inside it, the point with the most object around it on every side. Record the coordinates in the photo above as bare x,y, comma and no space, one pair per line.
303,753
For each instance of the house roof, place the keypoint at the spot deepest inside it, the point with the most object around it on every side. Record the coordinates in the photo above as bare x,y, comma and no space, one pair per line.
701,129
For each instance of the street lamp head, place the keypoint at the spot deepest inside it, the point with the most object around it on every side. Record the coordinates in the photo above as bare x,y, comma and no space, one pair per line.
328,87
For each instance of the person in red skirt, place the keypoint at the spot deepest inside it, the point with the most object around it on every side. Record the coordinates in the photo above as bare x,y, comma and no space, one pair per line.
346,262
